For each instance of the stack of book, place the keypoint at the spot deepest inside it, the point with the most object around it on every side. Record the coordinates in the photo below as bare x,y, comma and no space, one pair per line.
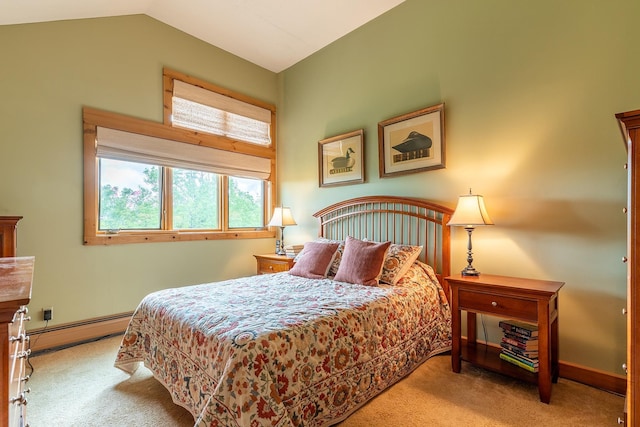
520,344
292,250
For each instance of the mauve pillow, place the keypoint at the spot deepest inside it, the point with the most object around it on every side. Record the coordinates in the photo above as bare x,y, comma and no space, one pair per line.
361,261
333,269
315,260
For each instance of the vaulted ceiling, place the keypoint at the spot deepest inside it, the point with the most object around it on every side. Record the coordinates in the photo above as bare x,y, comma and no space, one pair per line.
274,34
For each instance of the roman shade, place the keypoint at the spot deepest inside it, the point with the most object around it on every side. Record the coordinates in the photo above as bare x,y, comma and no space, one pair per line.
121,145
201,109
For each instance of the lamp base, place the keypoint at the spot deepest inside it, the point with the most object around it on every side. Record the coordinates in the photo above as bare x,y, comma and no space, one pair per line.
470,271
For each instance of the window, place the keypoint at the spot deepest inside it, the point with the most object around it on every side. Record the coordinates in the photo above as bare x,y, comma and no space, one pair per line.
196,200
208,175
130,196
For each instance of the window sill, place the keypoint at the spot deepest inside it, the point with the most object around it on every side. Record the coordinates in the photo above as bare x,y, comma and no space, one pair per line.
122,238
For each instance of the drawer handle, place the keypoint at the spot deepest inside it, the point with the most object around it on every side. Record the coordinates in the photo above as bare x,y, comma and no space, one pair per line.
624,259
19,338
494,304
24,354
271,267
21,399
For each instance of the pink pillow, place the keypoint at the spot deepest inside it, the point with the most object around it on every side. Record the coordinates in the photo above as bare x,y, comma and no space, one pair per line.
361,261
315,260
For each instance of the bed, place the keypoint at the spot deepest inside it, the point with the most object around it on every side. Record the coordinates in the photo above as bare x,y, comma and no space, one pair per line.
294,350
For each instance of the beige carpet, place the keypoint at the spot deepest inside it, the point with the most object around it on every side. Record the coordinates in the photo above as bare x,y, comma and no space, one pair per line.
80,387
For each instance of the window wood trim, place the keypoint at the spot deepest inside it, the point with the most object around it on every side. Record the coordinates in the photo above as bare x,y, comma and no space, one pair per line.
92,118
168,75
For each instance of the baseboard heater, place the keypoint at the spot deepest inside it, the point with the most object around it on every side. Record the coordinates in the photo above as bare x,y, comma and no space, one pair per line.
68,334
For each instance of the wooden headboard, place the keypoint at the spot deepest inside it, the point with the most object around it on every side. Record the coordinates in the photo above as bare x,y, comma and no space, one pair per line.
401,220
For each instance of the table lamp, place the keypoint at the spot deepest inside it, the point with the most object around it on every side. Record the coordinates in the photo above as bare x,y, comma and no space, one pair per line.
470,213
282,218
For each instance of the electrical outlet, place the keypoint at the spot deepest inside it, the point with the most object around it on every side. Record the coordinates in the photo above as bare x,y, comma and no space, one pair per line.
47,313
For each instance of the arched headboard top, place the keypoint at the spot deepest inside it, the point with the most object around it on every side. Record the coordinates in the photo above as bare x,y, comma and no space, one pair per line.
402,220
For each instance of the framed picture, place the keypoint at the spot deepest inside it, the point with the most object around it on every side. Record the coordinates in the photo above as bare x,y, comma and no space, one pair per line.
341,159
413,142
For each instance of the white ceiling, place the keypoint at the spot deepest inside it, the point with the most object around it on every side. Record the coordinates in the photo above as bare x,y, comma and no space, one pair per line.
274,34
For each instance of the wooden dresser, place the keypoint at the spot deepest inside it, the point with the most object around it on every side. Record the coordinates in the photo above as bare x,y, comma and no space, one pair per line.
16,276
8,235
630,125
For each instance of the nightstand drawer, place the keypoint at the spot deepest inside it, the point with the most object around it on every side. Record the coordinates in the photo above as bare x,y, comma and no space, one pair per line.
498,304
272,263
271,266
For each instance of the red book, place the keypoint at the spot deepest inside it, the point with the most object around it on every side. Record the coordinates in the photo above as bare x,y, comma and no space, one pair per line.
520,342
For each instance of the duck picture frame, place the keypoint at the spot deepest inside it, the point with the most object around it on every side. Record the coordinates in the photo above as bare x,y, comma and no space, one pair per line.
341,159
412,142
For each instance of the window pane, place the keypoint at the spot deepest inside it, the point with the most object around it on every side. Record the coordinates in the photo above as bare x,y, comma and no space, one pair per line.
195,200
129,195
246,203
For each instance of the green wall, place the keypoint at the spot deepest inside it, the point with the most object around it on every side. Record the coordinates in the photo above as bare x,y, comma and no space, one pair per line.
49,72
530,92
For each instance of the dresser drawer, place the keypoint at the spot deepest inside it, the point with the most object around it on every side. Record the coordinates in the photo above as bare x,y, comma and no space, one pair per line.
18,355
16,276
526,309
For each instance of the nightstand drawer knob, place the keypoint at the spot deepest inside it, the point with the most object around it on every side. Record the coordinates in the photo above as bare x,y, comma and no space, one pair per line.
271,267
494,304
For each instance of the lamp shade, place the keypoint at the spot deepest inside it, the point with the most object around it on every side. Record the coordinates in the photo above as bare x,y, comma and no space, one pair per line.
281,217
470,212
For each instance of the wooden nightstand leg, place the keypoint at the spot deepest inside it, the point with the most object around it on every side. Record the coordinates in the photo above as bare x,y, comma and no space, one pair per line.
472,328
555,368
455,333
544,351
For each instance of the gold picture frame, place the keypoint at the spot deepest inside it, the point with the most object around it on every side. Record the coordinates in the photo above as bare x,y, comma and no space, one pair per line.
341,159
413,142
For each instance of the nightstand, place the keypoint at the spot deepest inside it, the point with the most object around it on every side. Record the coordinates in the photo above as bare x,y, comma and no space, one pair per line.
530,300
272,263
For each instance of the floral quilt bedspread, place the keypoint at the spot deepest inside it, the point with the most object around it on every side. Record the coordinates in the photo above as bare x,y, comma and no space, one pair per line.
281,350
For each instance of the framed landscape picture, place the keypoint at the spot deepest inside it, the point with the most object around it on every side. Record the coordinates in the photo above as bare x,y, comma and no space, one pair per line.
412,142
341,159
